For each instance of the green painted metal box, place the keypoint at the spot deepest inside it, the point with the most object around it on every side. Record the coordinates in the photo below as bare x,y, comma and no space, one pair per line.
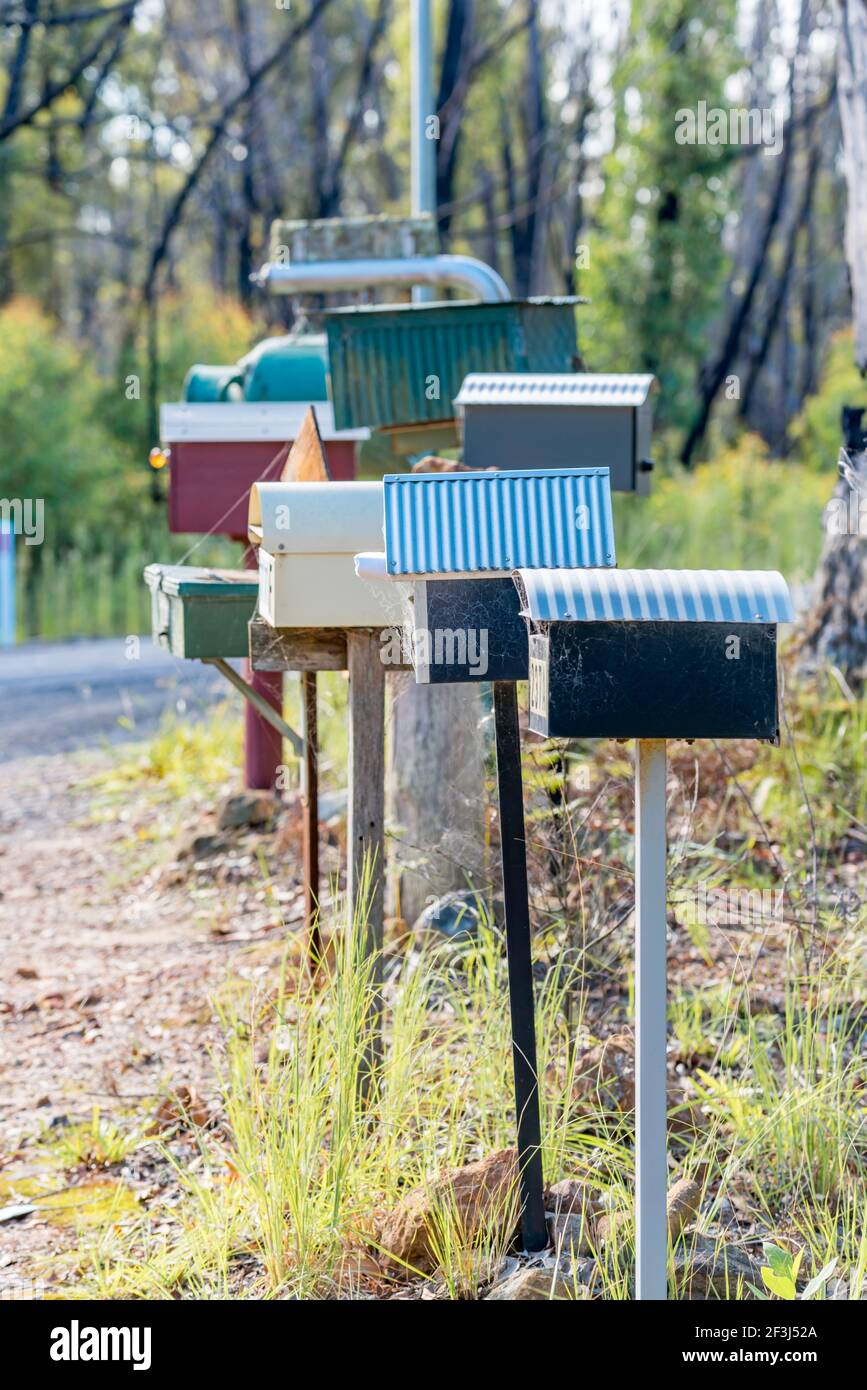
204,383
199,612
277,369
404,364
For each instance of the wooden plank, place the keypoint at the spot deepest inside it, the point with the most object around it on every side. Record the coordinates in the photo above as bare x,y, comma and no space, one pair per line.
366,825
306,461
310,818
297,648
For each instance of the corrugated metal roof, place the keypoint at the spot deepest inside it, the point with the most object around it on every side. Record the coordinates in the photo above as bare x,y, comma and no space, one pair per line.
403,364
212,422
708,596
575,389
492,523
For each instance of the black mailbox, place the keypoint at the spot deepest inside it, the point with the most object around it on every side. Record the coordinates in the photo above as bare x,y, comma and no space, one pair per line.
654,654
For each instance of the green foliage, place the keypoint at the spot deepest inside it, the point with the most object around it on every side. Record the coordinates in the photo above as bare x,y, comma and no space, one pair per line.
781,1272
194,326
816,431
55,445
741,510
656,263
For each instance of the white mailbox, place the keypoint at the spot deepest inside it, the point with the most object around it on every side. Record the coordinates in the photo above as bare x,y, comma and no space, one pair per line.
308,535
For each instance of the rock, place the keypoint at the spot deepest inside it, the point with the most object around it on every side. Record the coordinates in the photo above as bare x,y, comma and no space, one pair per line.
203,847
606,1075
474,1198
681,1204
706,1268
184,1107
571,1234
610,1223
455,917
248,808
432,463
572,1209
535,1286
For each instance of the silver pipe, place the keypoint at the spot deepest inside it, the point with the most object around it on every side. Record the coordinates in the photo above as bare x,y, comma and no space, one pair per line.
463,271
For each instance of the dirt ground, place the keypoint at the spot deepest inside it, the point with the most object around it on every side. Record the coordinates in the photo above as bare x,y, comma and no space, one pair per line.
105,979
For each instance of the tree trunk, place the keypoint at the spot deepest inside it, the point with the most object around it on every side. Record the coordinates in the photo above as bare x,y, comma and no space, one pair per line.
852,99
435,808
837,625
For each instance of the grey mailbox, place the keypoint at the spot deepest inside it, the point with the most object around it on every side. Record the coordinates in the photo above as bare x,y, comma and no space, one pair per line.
654,654
576,419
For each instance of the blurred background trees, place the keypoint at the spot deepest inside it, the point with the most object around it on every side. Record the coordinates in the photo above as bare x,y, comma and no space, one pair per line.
146,146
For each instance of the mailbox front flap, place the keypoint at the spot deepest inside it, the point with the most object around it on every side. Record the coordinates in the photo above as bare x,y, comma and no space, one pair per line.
316,518
674,596
478,523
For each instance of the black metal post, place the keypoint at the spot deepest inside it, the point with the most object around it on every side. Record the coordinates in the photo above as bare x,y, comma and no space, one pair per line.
513,848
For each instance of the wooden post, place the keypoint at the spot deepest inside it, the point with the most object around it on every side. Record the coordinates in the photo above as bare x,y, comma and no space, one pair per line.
310,822
534,1230
365,830
651,1226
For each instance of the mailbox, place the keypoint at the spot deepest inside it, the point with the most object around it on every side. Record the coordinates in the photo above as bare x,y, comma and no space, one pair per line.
197,612
654,654
308,535
454,536
395,365
218,450
557,421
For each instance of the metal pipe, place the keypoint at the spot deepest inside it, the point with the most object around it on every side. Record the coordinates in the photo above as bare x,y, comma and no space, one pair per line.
259,703
317,276
424,143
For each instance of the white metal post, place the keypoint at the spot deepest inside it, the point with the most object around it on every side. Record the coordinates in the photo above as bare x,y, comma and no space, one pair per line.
7,583
423,153
423,147
651,1232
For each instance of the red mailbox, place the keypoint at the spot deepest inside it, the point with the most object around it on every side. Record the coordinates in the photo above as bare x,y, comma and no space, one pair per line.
218,450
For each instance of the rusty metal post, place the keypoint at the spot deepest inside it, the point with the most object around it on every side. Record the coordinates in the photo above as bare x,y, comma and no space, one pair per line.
310,821
263,746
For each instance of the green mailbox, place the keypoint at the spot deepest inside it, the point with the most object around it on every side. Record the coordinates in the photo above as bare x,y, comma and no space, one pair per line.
197,612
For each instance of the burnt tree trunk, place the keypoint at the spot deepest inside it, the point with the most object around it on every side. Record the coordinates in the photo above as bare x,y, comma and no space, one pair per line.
836,630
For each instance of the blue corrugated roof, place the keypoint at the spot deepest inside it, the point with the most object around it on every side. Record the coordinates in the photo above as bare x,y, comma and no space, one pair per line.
489,523
708,596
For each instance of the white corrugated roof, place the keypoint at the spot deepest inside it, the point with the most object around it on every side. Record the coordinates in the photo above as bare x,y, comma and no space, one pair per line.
672,596
213,422
564,388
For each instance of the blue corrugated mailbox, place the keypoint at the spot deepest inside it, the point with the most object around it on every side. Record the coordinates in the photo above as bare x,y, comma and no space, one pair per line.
653,655
456,538
581,419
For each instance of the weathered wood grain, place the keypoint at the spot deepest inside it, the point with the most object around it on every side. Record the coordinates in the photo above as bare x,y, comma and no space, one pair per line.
307,461
297,648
